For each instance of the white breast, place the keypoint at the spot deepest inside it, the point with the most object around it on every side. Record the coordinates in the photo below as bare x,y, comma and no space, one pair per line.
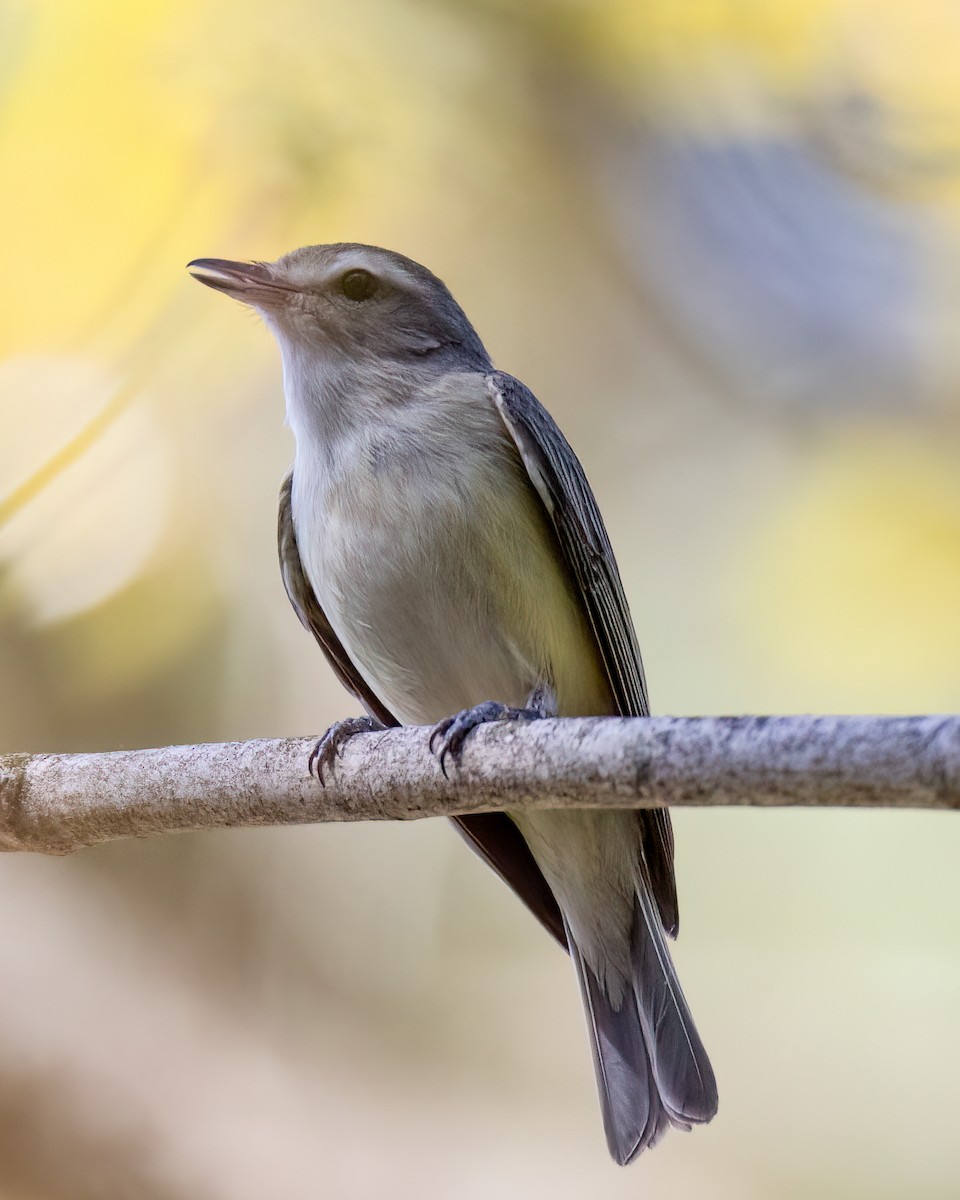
430,554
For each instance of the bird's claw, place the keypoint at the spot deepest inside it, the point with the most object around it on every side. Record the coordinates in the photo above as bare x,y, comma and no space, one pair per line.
448,736
329,748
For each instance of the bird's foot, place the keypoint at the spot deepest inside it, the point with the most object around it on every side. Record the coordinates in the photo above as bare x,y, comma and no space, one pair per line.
450,734
329,748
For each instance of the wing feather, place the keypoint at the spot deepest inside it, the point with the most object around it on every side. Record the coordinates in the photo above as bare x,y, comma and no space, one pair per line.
561,483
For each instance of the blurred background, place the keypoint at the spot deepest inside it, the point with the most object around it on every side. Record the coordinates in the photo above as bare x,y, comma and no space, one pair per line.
721,241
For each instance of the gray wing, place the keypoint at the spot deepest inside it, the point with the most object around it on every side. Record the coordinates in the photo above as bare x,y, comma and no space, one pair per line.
493,835
559,480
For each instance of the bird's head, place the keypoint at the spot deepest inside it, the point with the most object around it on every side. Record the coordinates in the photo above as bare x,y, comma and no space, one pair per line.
352,302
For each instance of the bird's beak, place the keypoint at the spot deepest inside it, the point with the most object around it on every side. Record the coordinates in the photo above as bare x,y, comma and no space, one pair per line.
253,283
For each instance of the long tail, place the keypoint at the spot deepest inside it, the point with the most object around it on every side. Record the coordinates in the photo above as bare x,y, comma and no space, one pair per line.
652,1069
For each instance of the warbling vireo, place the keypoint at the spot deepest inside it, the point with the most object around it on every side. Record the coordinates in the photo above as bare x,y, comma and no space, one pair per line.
440,540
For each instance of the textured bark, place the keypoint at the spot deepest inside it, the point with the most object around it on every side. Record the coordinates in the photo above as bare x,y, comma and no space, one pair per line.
55,803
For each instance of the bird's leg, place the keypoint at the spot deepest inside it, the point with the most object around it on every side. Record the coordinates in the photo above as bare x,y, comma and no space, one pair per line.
329,748
450,734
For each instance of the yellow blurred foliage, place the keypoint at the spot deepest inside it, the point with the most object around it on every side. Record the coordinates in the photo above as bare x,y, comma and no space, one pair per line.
102,171
856,581
725,66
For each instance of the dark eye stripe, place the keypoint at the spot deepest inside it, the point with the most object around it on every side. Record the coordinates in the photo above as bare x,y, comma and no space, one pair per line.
358,285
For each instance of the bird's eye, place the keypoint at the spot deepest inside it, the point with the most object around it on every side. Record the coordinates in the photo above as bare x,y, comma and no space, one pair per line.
358,285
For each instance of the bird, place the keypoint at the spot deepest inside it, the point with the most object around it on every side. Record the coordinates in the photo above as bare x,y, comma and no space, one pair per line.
439,539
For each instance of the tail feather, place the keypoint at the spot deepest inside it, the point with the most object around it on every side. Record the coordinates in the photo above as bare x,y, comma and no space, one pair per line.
633,1117
652,1070
684,1076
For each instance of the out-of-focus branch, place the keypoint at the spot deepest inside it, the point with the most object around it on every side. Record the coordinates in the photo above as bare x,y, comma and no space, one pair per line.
57,803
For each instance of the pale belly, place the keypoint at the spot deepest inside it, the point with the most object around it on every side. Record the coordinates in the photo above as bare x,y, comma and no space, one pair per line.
446,590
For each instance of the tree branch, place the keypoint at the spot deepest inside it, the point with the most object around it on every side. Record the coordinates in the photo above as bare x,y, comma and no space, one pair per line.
55,803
